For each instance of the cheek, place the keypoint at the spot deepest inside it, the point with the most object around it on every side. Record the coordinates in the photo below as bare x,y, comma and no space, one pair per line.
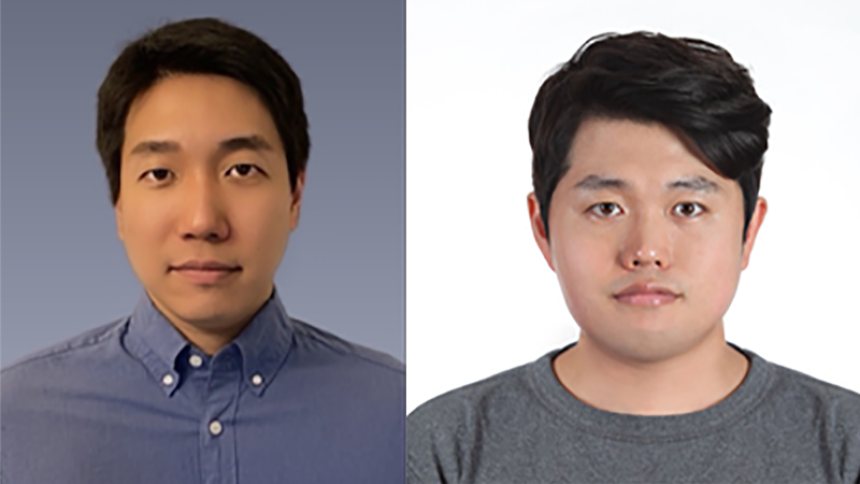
264,224
145,225
583,265
146,231
714,272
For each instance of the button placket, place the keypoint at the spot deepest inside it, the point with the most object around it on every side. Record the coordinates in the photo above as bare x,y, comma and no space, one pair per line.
218,434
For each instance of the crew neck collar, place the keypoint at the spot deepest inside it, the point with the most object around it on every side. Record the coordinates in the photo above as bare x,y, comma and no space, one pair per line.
629,427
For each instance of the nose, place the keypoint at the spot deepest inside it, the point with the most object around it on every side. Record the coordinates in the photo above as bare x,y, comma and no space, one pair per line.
201,213
647,245
645,259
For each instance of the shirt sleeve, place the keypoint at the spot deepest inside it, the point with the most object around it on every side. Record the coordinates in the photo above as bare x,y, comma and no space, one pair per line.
412,477
431,456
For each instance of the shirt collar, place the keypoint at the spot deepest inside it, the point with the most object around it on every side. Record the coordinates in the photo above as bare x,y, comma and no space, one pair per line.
263,344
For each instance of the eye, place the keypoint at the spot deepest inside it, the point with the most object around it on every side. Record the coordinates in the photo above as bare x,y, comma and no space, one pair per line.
156,174
243,169
688,209
605,209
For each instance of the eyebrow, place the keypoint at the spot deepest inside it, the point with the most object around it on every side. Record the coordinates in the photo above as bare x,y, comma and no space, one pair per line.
154,147
227,146
239,143
694,183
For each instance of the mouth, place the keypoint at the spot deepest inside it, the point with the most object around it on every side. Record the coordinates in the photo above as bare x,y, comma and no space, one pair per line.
647,299
205,272
647,295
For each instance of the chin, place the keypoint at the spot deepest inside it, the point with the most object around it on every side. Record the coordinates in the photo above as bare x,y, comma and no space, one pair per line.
207,315
644,341
198,305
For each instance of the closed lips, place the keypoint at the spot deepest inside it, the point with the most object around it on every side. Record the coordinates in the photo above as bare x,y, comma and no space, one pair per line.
645,289
205,266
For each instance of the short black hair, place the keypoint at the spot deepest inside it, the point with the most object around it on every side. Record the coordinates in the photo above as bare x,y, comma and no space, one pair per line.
205,46
690,86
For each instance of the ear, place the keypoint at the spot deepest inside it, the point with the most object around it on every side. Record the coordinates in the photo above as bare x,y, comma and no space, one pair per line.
752,230
120,226
538,230
296,202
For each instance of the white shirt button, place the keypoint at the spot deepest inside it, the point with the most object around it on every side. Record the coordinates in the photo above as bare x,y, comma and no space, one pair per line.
196,361
215,428
257,380
167,380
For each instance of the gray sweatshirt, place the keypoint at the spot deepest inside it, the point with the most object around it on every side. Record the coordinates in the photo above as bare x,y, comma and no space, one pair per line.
521,426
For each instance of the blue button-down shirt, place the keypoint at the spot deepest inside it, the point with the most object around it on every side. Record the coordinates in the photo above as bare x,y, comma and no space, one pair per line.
134,402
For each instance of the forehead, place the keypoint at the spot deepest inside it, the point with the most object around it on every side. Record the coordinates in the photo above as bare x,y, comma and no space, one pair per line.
194,109
644,155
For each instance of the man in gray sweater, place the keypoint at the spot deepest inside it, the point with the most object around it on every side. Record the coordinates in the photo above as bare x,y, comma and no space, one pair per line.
647,159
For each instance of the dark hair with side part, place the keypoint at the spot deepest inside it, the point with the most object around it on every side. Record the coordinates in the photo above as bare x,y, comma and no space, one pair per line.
690,86
205,46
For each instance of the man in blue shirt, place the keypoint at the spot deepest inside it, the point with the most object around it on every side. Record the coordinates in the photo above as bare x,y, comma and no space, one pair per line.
204,139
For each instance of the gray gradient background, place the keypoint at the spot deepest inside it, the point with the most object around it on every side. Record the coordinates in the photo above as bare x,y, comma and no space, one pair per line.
63,268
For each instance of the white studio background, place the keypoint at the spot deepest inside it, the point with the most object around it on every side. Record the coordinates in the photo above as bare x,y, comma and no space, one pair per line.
480,298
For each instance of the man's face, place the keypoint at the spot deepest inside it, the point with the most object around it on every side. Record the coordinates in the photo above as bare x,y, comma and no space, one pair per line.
636,207
204,180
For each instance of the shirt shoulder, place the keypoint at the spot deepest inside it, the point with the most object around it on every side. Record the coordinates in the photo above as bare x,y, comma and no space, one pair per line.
37,387
309,337
82,348
369,383
814,419
795,394
443,432
362,389
471,402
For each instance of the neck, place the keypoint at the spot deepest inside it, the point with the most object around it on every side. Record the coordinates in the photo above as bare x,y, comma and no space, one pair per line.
684,383
210,341
212,334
